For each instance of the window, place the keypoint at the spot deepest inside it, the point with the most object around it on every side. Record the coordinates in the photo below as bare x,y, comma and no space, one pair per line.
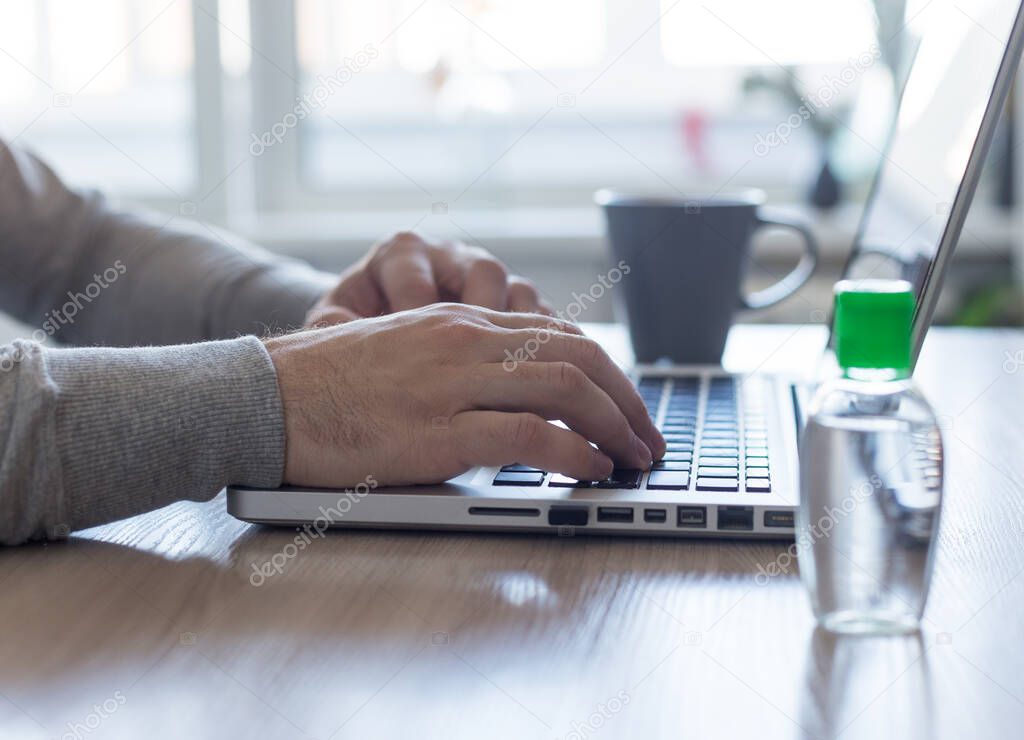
498,102
344,105
103,89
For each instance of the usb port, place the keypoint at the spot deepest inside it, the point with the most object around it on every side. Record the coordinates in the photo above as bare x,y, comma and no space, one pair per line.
736,517
692,516
614,514
655,516
778,519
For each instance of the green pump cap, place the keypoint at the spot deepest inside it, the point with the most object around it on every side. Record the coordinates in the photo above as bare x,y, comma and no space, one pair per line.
873,320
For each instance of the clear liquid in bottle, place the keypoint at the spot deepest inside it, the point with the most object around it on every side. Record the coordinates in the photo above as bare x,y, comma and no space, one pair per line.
871,492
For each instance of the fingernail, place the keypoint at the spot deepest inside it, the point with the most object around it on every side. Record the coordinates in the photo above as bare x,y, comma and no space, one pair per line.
643,454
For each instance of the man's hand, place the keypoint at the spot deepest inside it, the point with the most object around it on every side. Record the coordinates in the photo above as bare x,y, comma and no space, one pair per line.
406,271
424,395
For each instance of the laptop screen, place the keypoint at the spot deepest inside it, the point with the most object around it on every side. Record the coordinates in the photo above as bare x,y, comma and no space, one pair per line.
918,203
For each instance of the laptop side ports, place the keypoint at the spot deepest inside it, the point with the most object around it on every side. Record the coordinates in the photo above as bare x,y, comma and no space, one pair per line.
621,514
655,516
692,516
736,518
773,518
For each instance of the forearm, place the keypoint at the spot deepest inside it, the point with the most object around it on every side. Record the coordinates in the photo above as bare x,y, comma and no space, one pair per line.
85,273
95,435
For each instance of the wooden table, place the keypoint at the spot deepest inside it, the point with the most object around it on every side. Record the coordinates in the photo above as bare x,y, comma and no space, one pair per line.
151,628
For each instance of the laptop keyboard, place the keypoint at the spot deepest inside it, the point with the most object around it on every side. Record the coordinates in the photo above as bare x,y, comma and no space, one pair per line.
716,440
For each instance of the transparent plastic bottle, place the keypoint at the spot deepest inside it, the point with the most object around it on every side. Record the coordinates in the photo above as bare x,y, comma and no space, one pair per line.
871,470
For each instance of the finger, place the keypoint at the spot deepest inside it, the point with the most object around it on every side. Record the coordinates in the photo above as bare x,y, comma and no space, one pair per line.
522,296
559,390
486,280
357,290
406,278
497,438
588,356
448,268
329,316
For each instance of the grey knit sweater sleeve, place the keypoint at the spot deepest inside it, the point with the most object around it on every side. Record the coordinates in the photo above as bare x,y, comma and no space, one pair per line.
89,435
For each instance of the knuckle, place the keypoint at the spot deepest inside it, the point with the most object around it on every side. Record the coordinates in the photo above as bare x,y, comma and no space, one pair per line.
523,288
489,268
566,327
589,351
568,376
524,432
523,284
399,242
450,246
406,238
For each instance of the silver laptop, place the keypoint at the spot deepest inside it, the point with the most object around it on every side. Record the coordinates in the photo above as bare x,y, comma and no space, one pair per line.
731,469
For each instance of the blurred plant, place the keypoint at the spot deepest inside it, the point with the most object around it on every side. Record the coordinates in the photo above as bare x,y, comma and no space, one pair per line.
826,191
784,85
995,304
892,49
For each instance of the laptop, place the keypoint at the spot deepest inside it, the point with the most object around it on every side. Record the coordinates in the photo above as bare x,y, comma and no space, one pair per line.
731,468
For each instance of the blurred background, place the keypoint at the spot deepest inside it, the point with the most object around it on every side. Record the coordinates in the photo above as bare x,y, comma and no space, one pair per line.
314,127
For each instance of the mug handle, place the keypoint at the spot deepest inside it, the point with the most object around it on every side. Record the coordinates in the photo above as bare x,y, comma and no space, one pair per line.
800,274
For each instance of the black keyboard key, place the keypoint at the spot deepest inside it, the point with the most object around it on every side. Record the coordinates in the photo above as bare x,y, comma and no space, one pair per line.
686,420
757,452
717,484
672,455
709,472
759,485
678,436
518,479
518,468
720,420
672,465
673,445
718,462
563,481
677,428
668,480
621,478
754,471
719,451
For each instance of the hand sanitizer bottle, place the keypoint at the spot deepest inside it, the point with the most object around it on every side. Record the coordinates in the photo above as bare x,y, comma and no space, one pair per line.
870,471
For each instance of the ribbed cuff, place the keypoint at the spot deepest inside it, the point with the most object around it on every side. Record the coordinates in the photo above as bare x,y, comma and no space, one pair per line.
140,428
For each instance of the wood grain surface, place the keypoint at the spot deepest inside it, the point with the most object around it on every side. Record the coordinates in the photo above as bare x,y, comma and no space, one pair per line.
152,627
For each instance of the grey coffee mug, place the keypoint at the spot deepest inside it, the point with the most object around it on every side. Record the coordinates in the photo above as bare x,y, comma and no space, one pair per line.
687,260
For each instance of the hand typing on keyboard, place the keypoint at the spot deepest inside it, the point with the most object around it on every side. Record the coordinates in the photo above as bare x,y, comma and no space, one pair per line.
421,396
